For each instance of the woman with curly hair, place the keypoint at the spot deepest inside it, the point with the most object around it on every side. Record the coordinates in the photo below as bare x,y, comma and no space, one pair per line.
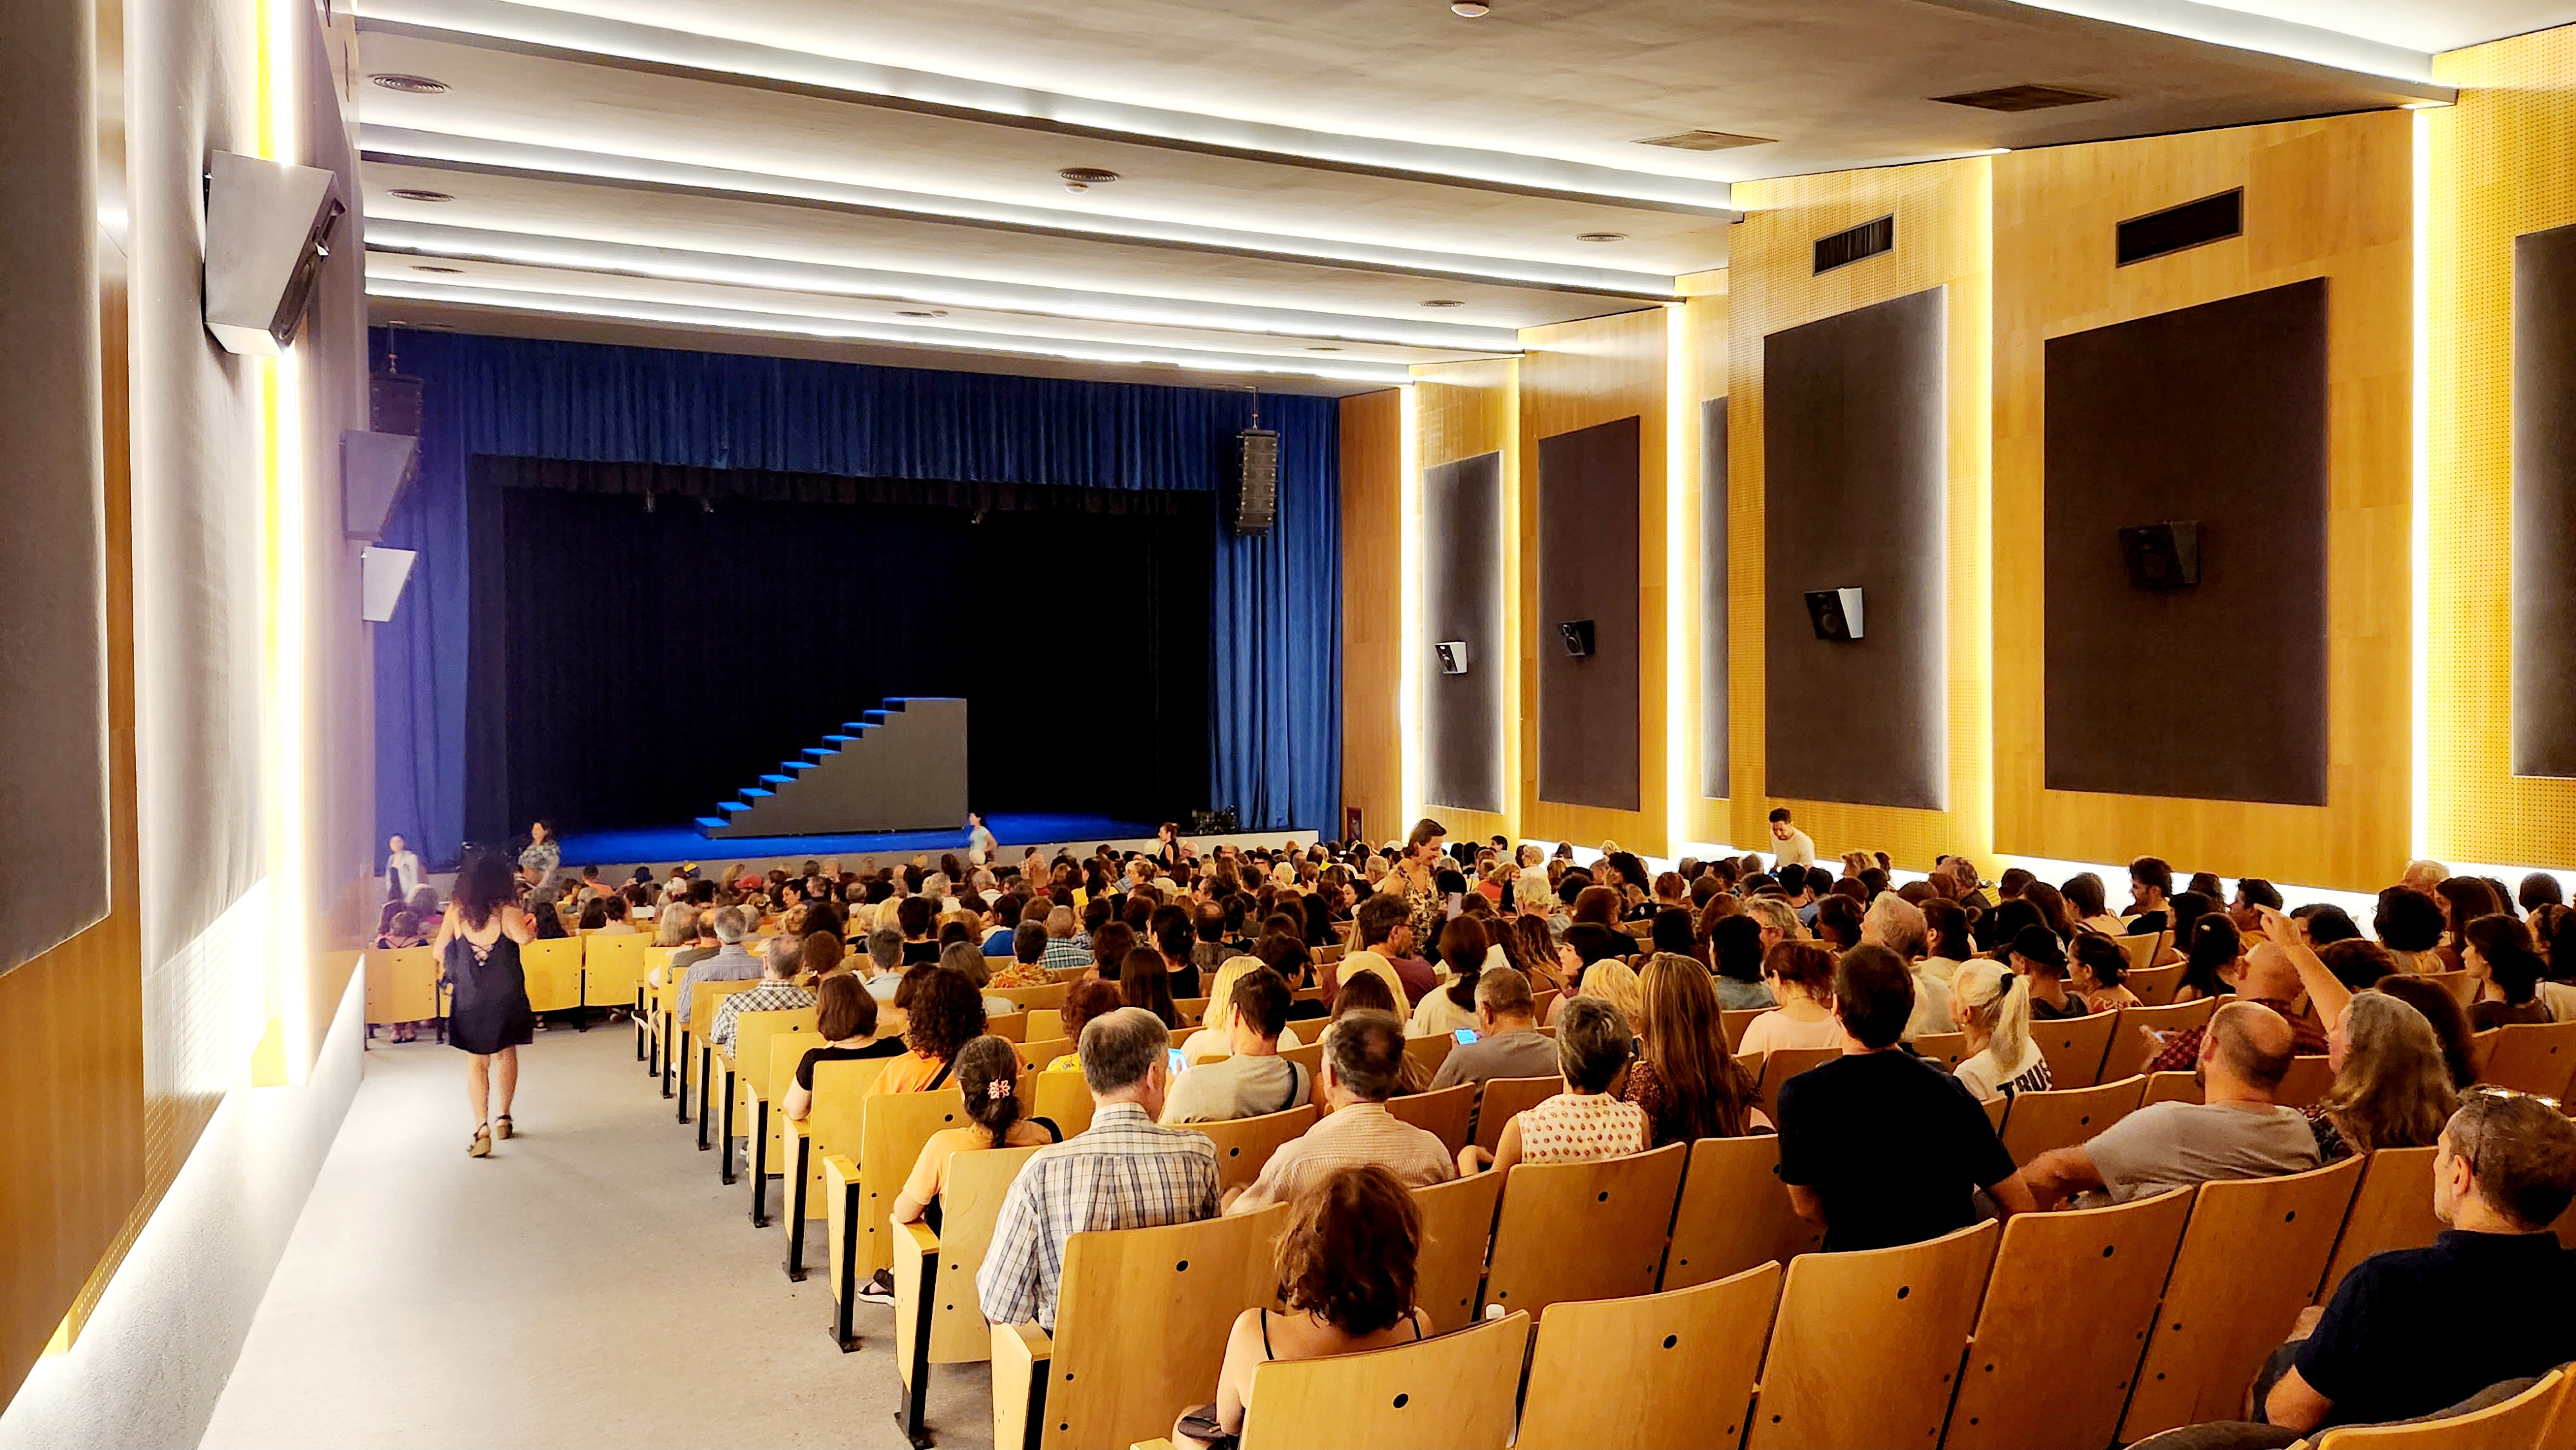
945,1011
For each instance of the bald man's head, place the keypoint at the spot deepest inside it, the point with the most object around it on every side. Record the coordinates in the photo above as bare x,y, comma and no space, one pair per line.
2251,1043
2269,973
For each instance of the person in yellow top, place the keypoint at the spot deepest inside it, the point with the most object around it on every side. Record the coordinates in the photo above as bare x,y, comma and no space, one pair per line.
1088,998
988,1079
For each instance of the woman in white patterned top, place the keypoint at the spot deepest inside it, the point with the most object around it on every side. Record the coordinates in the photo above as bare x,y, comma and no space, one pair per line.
1992,1008
1587,1121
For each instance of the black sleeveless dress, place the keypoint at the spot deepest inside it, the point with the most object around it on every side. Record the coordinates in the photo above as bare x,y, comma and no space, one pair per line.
489,1008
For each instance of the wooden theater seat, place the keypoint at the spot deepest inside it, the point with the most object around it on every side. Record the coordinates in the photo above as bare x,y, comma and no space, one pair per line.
1684,1364
1430,1051
2143,948
1454,1392
1734,1213
2155,987
829,1132
741,1073
1782,1064
1949,1049
2131,1050
612,967
2524,1422
1064,1099
1243,1145
2036,1122
1733,1021
1583,1230
2391,1209
1865,1351
2074,1047
1047,998
402,985
1449,1113
1457,1227
553,972
936,1317
690,1040
2530,1057
1505,1098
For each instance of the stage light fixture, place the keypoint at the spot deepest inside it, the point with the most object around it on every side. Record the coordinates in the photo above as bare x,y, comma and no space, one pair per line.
410,85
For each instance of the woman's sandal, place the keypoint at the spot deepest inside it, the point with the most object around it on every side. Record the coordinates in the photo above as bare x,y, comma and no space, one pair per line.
481,1147
501,1126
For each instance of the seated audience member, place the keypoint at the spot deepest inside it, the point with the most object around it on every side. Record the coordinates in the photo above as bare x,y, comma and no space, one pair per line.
1370,993
1382,943
2409,923
2040,961
1991,1008
2357,964
778,992
2238,1131
1083,1001
845,1017
2464,900
1216,1036
1207,949
1346,1272
2253,893
1452,1005
1736,942
1610,980
1110,947
966,960
2391,1087
1586,1122
884,967
1837,923
1177,940
1879,1146
1684,1078
1024,965
1779,921
1362,1068
943,1014
2084,901
2270,979
2098,969
1065,947
2539,889
725,961
1253,1079
2496,950
2210,959
402,931
2149,881
988,1081
1508,1042
2322,924
1145,980
914,916
1528,947
1126,1171
1801,975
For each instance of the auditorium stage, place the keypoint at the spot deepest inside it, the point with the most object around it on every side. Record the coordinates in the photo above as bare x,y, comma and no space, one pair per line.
617,852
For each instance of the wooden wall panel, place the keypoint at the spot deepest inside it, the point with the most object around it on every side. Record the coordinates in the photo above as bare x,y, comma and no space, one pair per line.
1943,238
1372,611
1574,375
2499,171
1699,365
1462,410
2322,199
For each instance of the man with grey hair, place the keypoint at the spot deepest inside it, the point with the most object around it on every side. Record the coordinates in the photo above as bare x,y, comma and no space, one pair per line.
1507,1042
1897,924
719,958
885,963
777,991
1363,1061
1127,1171
1779,921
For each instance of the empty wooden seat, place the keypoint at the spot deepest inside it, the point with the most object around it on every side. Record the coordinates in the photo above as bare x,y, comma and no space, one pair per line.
743,1074
1732,1022
2249,1262
1454,1392
2391,1209
2307,1080
936,1317
2155,986
1450,1113
1243,1145
1047,998
2036,1122
1430,1051
402,985
2074,1047
1681,1367
829,1130
1457,1226
1866,1349
1784,1063
612,967
1946,1048
2131,1050
1583,1230
1176,1289
2070,1300
1192,1010
553,972
1064,1099
2525,1422
2531,1057
2143,948
1009,1026
1504,1098
1734,1213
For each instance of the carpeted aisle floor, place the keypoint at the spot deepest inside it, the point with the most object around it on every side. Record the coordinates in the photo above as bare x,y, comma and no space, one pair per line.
589,1285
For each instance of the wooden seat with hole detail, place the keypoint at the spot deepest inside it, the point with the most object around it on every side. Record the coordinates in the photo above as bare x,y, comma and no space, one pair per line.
1686,1362
2074,1047
1734,1213
1583,1230
1453,1392
1243,1145
2530,1057
2528,1421
1446,1113
2034,1123
1505,1098
936,1317
1866,1348
1457,1229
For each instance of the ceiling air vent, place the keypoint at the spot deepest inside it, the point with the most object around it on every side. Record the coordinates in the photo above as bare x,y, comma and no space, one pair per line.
1704,141
2021,98
1866,240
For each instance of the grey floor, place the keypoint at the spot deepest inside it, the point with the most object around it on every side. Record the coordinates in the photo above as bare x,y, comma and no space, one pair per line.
590,1284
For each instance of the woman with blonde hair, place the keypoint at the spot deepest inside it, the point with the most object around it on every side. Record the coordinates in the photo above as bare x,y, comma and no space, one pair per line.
1217,1037
1992,1007
1689,1085
2392,1085
1610,980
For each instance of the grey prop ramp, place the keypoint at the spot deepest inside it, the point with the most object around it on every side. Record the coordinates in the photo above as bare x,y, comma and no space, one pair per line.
900,768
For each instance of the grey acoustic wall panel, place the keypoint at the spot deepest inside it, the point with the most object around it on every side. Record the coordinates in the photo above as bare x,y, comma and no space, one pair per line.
1587,570
1712,599
2216,415
1462,507
1855,457
2544,503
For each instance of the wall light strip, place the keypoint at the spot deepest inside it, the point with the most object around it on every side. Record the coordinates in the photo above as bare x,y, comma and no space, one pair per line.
1681,372
2419,524
1416,641
288,606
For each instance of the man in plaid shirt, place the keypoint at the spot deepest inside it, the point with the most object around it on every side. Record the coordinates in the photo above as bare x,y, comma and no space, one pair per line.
1124,1172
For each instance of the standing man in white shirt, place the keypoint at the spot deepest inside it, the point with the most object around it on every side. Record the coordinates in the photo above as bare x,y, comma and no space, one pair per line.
1795,847
402,868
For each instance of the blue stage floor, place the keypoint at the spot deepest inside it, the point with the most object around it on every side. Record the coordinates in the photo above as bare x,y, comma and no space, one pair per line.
657,845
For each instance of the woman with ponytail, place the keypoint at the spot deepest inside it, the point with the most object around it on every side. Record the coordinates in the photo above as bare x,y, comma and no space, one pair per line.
1992,1007
988,1071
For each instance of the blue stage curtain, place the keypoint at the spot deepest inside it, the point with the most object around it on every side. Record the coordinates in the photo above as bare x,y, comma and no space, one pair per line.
1275,602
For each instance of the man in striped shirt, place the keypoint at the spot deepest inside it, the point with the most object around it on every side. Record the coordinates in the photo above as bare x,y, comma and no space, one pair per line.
1124,1172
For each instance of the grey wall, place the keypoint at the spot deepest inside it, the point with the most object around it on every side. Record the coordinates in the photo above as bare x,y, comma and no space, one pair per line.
1587,569
2215,413
1855,448
2544,503
1462,505
1712,597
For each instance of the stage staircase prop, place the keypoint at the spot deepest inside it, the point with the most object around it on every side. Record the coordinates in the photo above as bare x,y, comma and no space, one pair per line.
898,768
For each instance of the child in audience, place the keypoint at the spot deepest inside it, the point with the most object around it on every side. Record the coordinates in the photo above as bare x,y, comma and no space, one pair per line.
988,1082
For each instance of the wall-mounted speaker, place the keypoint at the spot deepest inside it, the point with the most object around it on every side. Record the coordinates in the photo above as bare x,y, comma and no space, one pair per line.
1256,492
1577,634
2162,556
1835,613
1453,656
268,229
373,469
381,574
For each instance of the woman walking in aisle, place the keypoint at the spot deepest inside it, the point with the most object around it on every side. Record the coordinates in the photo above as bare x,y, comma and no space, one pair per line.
478,950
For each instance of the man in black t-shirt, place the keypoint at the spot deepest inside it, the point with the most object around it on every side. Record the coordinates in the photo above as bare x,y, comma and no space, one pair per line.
1879,1146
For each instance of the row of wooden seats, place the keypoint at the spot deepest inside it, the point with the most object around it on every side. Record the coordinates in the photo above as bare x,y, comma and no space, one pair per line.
592,970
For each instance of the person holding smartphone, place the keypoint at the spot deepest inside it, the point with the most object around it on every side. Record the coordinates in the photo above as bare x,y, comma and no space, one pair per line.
1254,1079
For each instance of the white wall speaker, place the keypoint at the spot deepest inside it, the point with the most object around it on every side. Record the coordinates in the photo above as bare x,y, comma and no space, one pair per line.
268,228
373,469
381,574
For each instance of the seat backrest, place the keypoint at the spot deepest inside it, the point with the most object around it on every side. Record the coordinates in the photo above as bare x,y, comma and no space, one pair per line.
1042,1051
1784,1063
553,972
1583,1230
840,1104
755,1035
1063,1099
892,1129
1244,1144
2532,1057
2155,986
1946,1048
402,984
2310,1074
1448,1112
2142,948
1009,1026
1049,997
977,1181
2463,986
1505,1098
702,1003
2070,1300
2037,1122
1309,1057
2131,1050
1454,1391
1683,1362
2171,1087
1732,1022
2521,1423
1176,1289
1734,1213
1866,1348
611,967
2392,1209
1192,1010
2074,1047
1457,1227
2249,1263
1430,1051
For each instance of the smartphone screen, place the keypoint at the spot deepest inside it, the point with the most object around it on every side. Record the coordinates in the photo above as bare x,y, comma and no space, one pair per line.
1466,1035
1177,1062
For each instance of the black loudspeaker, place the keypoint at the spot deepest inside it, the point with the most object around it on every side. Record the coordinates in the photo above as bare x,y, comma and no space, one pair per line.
1835,613
2162,556
1577,634
1256,493
1453,656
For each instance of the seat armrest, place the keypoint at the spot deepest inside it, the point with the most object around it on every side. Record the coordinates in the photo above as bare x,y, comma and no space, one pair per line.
916,1238
1151,1445
1020,1354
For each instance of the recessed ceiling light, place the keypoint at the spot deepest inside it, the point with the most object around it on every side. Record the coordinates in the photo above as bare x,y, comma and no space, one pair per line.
1084,178
411,85
414,193
1313,347
1442,302
1601,236
922,312
1469,9
433,267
